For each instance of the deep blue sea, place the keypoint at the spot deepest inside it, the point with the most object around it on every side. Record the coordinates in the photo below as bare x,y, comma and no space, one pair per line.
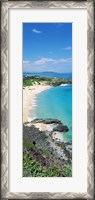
56,102
50,74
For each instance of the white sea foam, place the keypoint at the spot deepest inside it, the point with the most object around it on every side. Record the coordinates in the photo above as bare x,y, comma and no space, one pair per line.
31,118
33,104
64,85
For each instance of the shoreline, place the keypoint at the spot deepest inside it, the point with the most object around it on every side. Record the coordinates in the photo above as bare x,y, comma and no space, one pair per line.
43,143
29,100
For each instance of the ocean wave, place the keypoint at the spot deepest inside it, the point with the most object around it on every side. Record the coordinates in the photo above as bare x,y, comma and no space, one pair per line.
31,118
64,85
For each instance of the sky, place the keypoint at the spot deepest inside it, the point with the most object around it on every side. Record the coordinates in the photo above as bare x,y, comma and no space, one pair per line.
47,47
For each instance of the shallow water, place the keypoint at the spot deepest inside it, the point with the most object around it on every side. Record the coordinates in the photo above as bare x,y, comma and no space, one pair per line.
56,103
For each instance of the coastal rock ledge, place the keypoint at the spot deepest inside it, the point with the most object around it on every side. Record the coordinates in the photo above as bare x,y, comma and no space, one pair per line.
47,136
60,127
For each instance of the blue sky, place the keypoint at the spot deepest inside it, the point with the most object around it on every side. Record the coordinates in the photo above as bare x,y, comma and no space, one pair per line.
47,47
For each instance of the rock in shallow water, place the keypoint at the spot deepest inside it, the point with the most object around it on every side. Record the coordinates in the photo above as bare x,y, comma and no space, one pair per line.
47,121
61,128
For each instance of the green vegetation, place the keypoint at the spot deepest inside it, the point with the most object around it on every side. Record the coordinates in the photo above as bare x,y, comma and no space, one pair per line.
32,168
28,144
28,81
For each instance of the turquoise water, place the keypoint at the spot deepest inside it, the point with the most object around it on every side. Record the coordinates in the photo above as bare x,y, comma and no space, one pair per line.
56,103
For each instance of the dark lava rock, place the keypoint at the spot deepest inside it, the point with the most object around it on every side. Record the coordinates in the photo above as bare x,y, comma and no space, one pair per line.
52,121
68,143
61,128
47,121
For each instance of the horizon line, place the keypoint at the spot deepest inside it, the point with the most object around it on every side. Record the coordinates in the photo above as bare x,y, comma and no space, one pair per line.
49,72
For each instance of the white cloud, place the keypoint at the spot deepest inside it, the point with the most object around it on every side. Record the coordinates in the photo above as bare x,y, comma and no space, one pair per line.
43,61
36,31
66,48
47,64
26,62
62,60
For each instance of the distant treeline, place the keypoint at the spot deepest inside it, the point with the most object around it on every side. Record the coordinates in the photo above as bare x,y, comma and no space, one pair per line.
32,80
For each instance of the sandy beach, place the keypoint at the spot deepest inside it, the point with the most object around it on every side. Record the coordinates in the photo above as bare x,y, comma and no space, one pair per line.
29,100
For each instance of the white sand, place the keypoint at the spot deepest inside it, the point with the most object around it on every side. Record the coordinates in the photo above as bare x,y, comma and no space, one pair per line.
44,127
29,100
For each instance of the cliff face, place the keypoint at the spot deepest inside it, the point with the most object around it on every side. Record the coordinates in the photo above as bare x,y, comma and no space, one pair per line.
43,141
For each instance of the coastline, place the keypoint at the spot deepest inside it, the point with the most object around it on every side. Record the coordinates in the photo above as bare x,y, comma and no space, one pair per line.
29,100
44,148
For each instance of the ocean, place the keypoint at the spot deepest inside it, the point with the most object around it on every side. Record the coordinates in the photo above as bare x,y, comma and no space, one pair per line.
50,74
56,102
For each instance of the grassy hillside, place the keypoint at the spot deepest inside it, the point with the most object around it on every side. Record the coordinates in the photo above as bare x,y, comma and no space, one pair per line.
28,81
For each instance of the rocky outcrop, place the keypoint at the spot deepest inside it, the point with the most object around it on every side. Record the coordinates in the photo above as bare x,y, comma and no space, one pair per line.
54,150
47,121
61,128
57,124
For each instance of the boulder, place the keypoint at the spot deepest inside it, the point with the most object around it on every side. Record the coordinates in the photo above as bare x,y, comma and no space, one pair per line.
52,121
61,128
68,143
